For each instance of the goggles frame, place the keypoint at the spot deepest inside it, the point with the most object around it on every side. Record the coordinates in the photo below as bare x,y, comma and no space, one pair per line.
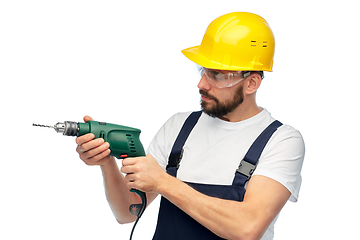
220,79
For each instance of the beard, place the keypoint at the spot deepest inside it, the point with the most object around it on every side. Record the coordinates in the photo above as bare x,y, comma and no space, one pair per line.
221,109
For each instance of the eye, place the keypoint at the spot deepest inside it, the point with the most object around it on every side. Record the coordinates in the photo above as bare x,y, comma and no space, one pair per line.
214,74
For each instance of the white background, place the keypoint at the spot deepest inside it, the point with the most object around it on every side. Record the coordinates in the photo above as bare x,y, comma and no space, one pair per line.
120,62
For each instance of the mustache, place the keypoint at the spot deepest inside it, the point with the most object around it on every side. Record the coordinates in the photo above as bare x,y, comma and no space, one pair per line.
206,94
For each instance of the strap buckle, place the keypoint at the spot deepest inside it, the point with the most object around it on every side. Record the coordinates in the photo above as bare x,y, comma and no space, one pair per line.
247,169
175,159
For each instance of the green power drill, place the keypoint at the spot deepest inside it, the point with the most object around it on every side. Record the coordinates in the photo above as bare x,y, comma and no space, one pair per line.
124,142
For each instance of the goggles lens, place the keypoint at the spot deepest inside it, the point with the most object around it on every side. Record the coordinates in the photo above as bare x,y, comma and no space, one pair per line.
221,78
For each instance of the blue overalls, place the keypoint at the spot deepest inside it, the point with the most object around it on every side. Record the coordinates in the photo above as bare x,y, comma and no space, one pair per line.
173,223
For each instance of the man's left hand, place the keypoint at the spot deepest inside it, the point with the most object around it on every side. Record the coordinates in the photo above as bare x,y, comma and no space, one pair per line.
143,173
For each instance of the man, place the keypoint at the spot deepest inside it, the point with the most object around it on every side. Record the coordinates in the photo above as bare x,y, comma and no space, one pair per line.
201,163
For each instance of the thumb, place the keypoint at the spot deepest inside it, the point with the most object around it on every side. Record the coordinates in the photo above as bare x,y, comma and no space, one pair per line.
88,118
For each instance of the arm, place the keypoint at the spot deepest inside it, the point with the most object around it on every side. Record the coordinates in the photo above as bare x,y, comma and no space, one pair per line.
249,219
95,152
118,194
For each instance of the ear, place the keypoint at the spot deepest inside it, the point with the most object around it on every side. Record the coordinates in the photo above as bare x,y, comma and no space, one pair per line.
252,83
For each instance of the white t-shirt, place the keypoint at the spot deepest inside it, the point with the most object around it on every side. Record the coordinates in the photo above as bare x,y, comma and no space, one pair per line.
214,149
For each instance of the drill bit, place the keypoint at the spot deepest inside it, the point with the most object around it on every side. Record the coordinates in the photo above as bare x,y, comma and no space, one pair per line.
40,125
67,128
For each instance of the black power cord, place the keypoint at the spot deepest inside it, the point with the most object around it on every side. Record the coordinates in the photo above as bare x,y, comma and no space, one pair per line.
132,231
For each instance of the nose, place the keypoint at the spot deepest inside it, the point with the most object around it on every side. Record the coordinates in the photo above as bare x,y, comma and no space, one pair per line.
204,84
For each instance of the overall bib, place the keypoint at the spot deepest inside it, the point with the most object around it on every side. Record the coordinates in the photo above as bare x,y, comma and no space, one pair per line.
173,223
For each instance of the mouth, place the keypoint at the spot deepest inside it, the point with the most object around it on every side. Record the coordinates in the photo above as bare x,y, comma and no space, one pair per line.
207,97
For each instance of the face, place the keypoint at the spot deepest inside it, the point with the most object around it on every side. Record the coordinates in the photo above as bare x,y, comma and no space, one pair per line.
218,102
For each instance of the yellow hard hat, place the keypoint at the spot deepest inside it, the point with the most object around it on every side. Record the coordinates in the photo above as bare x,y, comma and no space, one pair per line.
238,41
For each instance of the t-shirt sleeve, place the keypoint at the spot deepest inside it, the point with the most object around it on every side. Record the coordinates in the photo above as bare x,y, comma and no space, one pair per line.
160,146
157,148
283,158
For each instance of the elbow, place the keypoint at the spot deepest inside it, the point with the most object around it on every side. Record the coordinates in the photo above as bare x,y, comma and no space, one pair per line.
125,220
121,222
250,231
247,236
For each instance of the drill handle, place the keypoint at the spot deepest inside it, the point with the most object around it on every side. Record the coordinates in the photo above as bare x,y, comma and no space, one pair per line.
138,209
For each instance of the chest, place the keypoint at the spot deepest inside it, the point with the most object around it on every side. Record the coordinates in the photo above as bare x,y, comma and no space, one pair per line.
212,157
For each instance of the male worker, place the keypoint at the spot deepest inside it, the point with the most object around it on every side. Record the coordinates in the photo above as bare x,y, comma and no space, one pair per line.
201,163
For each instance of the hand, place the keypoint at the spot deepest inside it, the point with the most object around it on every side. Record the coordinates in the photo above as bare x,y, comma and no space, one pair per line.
92,151
143,173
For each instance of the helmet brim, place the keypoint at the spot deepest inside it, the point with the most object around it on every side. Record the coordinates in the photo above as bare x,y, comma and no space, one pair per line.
193,54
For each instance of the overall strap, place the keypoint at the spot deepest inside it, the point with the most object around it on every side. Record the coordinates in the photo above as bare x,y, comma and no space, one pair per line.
177,149
248,164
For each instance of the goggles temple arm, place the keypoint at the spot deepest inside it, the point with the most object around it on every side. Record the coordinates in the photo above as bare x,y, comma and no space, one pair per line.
248,73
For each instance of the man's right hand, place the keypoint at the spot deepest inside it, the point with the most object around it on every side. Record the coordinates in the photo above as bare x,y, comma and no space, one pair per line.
96,152
93,151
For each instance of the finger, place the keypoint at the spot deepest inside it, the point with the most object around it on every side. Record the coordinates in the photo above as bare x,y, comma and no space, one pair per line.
134,184
129,161
79,149
91,144
98,159
127,169
95,151
88,118
130,177
85,138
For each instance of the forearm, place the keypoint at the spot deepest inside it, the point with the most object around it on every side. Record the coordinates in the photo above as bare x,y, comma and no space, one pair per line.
117,192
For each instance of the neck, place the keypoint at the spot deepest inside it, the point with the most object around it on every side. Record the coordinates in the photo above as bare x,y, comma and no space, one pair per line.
245,110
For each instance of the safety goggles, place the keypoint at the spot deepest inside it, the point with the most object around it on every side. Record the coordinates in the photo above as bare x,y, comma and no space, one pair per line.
222,78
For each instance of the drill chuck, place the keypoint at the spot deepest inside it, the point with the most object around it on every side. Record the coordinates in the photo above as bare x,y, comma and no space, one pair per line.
67,128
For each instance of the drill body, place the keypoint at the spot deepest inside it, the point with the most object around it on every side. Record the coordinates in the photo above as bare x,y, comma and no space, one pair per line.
124,141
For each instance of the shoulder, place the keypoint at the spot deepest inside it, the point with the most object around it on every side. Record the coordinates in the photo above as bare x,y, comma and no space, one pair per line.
286,142
175,122
283,158
289,136
178,118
